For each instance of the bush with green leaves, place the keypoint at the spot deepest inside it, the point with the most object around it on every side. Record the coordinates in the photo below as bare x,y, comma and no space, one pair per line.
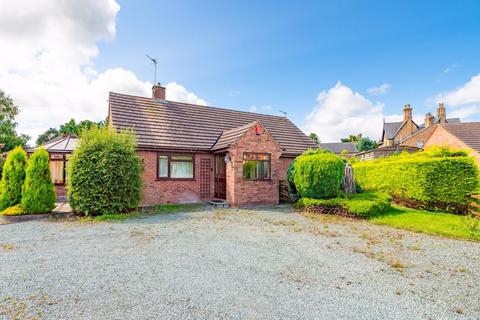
38,193
103,173
436,179
13,177
318,174
365,205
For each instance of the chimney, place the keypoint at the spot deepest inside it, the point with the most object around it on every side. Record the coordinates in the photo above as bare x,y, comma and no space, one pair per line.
158,92
441,113
429,120
407,113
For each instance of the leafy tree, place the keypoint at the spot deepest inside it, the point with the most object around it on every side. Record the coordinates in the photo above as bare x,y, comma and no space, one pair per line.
8,135
47,136
104,172
38,194
352,138
69,128
365,144
13,178
314,137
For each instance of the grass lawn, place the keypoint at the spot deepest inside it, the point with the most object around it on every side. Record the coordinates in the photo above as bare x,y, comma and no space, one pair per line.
445,224
159,209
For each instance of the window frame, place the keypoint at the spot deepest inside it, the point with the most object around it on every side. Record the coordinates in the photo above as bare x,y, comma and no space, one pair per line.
257,154
169,161
64,171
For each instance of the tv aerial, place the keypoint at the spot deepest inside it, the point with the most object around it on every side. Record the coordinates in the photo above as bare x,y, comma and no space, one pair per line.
154,61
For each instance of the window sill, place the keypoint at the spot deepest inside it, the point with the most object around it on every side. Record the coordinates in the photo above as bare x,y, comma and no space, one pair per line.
266,180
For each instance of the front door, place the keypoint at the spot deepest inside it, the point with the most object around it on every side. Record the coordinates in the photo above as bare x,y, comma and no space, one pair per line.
220,177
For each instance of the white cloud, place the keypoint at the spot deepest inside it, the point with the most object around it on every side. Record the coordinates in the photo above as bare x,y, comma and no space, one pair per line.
340,111
46,62
381,89
176,92
262,109
464,100
466,94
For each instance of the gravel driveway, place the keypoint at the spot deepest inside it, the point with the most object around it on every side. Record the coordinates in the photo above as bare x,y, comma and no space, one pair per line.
234,264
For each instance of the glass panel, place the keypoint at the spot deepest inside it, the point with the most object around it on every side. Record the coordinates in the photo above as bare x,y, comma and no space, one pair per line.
249,156
163,167
176,158
263,170
181,169
56,171
263,156
249,168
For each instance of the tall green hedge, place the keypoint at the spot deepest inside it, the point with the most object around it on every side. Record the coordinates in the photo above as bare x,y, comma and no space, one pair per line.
434,179
104,172
38,194
318,174
12,178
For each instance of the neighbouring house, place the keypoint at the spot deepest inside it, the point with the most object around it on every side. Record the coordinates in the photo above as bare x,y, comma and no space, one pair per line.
408,133
348,149
464,135
384,152
59,150
194,153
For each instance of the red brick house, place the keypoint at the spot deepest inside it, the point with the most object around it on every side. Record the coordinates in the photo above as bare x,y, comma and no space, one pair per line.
457,135
194,153
408,133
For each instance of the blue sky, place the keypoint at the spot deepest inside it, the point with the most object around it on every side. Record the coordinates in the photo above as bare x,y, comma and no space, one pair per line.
273,55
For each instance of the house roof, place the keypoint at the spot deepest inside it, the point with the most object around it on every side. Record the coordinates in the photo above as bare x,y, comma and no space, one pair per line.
467,132
449,120
163,124
338,147
390,129
229,137
65,144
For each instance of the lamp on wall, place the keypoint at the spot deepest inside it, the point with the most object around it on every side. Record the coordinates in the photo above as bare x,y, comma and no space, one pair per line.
227,158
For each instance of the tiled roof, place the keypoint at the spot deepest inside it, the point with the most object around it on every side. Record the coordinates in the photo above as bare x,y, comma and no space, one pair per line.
391,128
338,147
162,124
449,120
228,137
468,132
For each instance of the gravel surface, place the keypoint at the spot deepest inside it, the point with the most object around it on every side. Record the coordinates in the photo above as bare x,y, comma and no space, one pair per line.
234,264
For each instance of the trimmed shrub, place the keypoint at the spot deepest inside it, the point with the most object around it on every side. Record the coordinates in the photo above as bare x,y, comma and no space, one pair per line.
318,174
12,178
103,173
13,211
291,184
431,180
38,194
363,205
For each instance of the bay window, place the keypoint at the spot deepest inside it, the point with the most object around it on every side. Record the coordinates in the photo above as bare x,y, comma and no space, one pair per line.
256,166
175,166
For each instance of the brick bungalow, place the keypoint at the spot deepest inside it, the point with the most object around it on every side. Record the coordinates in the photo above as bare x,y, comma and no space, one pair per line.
457,135
194,153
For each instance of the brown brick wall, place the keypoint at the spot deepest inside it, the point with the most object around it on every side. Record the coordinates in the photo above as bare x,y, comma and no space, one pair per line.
421,136
242,192
441,137
407,129
171,191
